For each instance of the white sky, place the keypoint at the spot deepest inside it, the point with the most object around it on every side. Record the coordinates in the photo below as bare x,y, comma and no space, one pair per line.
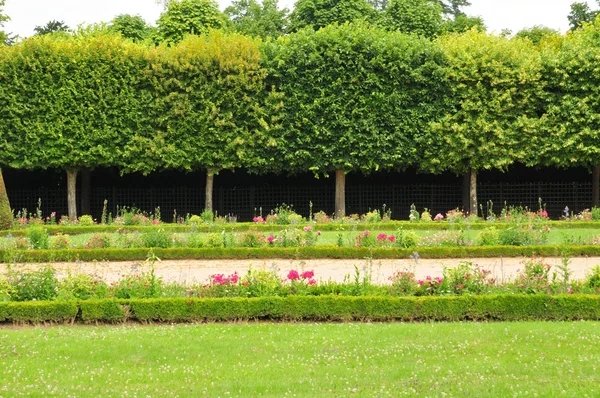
497,14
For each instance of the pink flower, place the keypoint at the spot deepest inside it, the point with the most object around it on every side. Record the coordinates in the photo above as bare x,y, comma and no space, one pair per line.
308,274
258,220
392,238
312,282
382,237
428,278
543,213
307,228
271,239
438,217
293,275
155,221
421,282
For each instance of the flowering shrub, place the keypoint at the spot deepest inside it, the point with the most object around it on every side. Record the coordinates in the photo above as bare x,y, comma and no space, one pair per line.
98,241
59,241
426,216
466,278
455,216
384,240
371,217
321,218
430,286
534,277
365,239
252,238
404,283
258,220
438,217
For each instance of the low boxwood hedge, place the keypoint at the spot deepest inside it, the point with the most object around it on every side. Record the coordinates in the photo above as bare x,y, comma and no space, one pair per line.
383,226
311,308
298,253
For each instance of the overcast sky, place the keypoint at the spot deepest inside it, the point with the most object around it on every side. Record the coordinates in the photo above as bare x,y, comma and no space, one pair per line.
497,14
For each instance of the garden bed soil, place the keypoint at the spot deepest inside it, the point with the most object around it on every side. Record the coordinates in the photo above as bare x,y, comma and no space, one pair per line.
199,271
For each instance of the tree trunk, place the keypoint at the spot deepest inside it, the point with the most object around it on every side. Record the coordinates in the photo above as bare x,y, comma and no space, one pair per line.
71,193
210,178
340,194
473,193
6,216
596,187
466,191
86,190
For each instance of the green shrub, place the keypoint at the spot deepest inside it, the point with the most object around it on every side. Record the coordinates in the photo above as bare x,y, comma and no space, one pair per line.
488,237
595,213
214,240
98,241
59,241
5,289
207,216
38,237
407,239
35,285
515,236
195,220
86,220
592,279
372,217
156,237
252,238
468,279
404,283
82,287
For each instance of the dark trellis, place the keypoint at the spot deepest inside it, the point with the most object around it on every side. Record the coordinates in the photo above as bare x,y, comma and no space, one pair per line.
246,202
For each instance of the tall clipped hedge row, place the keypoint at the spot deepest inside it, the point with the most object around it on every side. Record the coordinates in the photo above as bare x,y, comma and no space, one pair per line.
345,98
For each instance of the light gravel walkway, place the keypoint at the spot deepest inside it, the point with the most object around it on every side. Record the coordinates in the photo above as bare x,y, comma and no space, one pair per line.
199,270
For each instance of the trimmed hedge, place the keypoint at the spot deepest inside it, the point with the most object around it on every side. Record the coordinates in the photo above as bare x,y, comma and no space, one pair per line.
383,226
312,308
298,253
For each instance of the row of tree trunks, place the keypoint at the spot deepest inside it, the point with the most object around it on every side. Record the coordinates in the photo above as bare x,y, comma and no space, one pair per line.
469,191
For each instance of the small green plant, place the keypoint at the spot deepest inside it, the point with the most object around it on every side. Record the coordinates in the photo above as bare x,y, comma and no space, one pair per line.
207,216
372,217
426,215
595,213
38,237
104,217
404,283
59,241
466,278
488,237
407,239
157,237
195,220
414,215
82,287
86,220
253,238
592,279
37,285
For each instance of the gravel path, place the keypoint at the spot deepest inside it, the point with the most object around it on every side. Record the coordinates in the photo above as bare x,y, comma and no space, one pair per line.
200,270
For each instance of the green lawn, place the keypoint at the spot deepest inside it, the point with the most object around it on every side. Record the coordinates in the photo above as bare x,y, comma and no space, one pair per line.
305,360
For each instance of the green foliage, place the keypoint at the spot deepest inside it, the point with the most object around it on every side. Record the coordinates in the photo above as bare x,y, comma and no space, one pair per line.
537,34
497,85
407,239
421,17
463,23
317,14
354,96
210,87
156,237
6,215
86,220
132,27
252,18
87,101
51,27
573,95
194,17
82,287
98,241
592,280
207,216
33,285
488,237
580,14
38,237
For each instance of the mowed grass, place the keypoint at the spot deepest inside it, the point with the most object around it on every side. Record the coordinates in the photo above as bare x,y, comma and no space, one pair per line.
304,360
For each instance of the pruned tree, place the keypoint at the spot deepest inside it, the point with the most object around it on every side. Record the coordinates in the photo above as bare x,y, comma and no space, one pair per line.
497,86
356,98
211,108
570,126
132,27
183,17
422,17
69,102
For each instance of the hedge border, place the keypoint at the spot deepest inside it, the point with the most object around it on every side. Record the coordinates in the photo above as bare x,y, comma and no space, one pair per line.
311,308
383,226
297,253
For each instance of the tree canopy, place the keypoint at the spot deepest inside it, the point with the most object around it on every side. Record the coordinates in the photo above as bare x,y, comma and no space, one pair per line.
51,27
422,17
132,27
318,14
254,19
183,17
